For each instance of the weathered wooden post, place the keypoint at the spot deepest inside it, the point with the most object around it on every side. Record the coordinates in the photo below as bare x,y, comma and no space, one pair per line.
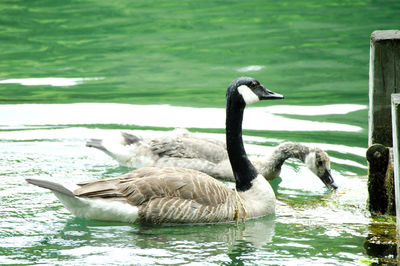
380,187
396,153
384,79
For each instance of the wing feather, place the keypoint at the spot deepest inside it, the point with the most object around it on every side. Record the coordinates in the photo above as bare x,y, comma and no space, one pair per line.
165,195
189,147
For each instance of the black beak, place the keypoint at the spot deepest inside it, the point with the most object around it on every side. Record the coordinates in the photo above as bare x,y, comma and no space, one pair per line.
327,179
265,94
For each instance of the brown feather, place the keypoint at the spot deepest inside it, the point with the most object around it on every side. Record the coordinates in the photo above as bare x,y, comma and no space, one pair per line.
166,195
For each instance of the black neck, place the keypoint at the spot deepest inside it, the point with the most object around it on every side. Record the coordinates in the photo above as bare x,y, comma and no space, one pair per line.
243,171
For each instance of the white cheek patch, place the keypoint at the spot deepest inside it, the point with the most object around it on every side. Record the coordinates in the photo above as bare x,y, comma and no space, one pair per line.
310,162
248,95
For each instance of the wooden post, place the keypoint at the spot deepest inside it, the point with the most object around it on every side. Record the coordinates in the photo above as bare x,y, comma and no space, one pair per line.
396,155
383,133
380,180
396,152
384,79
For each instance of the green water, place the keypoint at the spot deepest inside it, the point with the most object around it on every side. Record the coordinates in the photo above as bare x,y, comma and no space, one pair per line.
172,54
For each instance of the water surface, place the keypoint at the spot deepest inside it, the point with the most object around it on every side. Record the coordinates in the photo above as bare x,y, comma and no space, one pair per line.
70,71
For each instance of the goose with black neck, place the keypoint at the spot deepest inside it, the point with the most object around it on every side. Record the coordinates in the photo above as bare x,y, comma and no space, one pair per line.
242,92
179,195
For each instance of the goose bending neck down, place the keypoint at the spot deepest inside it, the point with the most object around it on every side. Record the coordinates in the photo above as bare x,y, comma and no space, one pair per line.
179,195
314,158
180,148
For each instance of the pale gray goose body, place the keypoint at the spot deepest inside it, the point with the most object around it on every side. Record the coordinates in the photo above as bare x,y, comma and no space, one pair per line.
179,195
180,148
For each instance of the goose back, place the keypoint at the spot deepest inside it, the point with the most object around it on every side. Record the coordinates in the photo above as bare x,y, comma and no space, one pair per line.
189,147
167,195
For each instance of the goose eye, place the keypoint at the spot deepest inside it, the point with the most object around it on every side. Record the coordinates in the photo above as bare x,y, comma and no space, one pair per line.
254,83
319,163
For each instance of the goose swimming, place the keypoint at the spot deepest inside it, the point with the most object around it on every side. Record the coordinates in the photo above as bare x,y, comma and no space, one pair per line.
180,148
180,195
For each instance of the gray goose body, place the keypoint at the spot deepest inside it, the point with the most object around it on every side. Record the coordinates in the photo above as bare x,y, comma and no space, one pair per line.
179,195
180,148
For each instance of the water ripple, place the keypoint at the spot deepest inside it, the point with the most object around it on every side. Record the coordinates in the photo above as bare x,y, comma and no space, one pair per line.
155,116
50,81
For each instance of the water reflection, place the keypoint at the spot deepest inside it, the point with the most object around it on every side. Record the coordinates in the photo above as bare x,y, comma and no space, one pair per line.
316,51
382,243
156,116
48,81
82,239
329,109
258,232
250,68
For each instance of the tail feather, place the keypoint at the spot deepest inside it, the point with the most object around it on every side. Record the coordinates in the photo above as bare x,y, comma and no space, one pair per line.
129,138
50,185
95,143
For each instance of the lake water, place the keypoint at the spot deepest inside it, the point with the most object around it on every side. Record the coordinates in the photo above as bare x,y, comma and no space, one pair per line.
75,70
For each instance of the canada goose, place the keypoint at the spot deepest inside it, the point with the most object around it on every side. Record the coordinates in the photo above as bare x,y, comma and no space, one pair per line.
180,195
180,148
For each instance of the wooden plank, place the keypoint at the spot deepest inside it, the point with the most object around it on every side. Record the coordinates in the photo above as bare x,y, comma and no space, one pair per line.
384,79
396,153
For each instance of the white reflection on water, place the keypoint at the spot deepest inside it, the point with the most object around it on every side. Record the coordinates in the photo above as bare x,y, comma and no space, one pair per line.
257,118
250,68
82,133
48,81
120,255
316,110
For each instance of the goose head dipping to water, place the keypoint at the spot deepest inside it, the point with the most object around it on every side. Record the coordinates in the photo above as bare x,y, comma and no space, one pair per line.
179,195
313,157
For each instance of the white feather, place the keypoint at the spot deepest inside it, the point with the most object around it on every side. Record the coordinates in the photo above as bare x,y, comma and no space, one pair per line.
310,162
99,209
260,198
135,155
248,95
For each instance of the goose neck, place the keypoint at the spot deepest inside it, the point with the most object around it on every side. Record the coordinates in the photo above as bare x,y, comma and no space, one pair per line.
288,150
243,171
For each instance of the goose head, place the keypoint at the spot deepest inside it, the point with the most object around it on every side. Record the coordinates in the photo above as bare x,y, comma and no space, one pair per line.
250,91
318,162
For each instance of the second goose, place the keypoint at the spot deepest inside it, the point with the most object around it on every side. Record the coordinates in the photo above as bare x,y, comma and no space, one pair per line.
180,148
